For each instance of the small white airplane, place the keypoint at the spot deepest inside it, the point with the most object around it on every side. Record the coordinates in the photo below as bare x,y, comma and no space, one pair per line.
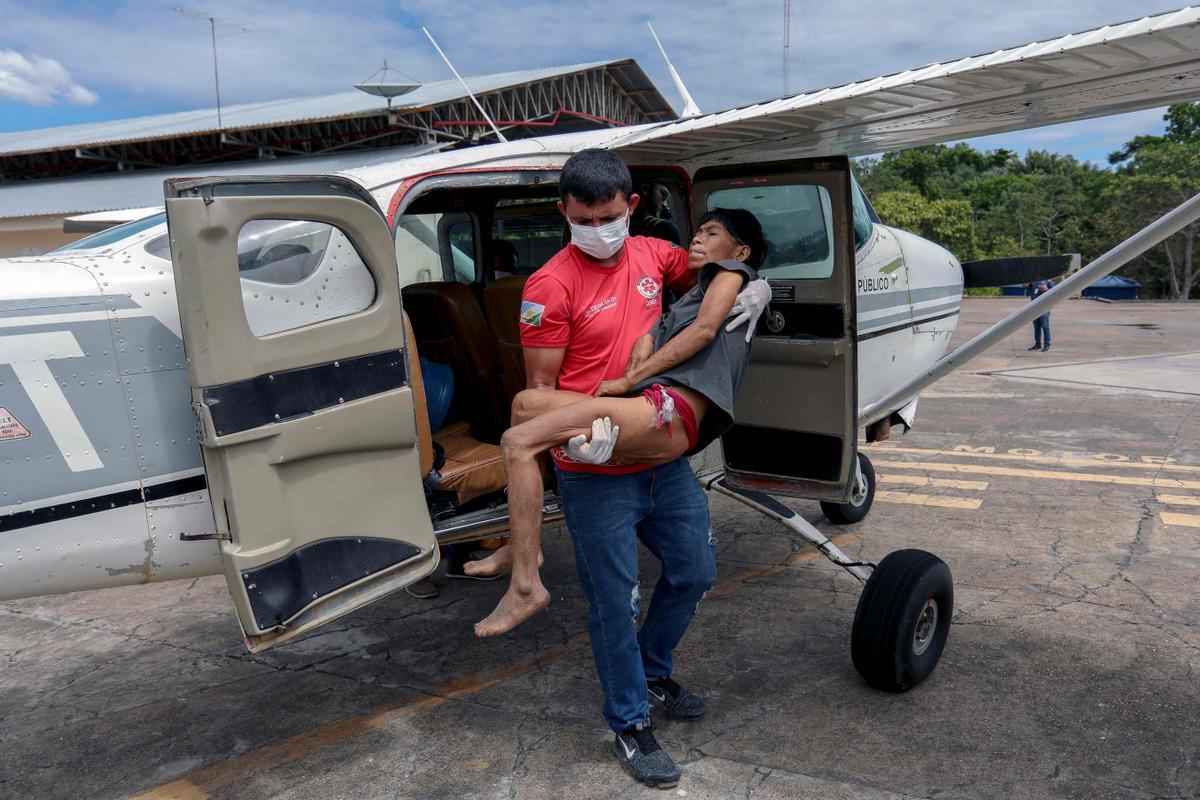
235,387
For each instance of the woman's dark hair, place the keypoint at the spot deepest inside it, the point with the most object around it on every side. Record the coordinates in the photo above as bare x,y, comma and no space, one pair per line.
742,226
593,176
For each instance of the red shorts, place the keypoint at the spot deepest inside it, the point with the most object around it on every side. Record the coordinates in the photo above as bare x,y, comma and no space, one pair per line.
687,415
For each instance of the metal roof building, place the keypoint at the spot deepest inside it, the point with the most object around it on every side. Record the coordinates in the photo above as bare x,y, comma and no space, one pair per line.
143,188
49,174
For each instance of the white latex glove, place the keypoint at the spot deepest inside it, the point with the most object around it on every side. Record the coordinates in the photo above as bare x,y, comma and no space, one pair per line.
749,306
600,449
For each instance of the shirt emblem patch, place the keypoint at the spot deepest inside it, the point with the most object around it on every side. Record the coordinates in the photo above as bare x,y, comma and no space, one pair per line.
648,287
531,313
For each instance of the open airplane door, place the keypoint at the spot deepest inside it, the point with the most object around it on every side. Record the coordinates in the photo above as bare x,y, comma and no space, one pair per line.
291,320
797,408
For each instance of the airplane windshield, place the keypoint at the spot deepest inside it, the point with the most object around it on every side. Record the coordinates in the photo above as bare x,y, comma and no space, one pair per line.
113,235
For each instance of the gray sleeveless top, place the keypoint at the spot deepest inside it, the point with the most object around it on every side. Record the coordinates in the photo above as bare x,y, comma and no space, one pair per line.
717,370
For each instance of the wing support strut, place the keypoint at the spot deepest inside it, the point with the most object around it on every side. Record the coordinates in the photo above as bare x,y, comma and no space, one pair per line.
1148,237
769,506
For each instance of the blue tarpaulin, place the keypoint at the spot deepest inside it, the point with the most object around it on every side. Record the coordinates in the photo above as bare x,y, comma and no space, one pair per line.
1114,287
1110,287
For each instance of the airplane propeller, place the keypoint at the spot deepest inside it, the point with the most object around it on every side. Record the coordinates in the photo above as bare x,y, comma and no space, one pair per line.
1007,271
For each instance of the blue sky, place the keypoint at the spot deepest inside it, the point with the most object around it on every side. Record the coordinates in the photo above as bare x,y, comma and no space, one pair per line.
64,62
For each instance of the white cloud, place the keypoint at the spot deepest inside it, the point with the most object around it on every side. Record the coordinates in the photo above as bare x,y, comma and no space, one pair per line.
40,81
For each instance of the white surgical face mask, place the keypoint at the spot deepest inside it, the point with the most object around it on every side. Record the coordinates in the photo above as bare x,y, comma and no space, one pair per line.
602,241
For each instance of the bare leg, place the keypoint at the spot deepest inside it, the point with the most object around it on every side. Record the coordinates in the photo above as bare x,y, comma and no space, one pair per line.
526,405
535,402
526,595
522,444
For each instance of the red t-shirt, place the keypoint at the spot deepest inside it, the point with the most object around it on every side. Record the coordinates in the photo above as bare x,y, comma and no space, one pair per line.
597,313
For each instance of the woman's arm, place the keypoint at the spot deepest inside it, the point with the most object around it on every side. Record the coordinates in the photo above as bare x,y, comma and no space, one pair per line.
718,300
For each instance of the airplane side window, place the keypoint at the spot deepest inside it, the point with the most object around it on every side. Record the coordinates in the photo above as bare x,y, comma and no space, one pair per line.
298,272
534,231
797,223
417,257
460,241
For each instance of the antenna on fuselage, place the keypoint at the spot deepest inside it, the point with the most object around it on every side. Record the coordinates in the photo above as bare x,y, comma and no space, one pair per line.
690,109
466,88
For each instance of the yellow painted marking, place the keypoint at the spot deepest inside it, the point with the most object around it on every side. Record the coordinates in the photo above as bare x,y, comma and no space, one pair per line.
1179,500
1134,462
199,784
921,480
1043,474
1188,520
914,499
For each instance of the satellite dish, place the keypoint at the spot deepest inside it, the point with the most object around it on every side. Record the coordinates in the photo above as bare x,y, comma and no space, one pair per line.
388,90
378,84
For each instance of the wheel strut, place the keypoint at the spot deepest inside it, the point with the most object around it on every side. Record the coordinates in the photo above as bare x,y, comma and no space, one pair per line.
765,504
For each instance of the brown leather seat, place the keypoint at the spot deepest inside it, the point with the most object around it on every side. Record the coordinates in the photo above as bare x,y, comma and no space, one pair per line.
471,468
450,329
502,307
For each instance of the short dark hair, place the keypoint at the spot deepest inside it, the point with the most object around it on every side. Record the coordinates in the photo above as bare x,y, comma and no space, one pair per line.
506,250
742,226
592,176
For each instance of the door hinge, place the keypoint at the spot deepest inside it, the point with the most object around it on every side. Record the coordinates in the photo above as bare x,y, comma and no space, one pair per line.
201,428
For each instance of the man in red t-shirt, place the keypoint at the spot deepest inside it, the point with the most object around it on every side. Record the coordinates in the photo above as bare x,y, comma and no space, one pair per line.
580,316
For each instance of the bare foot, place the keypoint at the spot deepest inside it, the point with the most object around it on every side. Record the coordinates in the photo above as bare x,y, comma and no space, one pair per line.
513,609
497,563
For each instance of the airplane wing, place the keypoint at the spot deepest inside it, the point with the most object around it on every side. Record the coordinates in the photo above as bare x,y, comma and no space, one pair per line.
1118,68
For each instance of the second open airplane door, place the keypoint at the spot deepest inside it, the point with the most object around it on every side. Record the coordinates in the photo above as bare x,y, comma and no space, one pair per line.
291,320
797,409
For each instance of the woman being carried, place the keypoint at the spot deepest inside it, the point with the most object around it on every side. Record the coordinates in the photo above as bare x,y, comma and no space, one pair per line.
675,398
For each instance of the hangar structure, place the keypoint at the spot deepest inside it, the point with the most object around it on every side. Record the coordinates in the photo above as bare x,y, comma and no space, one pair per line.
50,175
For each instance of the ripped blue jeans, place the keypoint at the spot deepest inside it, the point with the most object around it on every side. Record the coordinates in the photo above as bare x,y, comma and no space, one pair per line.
606,514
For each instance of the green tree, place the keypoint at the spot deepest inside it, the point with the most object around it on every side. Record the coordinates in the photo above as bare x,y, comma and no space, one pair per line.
996,204
1154,175
947,222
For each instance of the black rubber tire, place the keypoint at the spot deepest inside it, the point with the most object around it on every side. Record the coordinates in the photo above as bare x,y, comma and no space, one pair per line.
847,513
885,622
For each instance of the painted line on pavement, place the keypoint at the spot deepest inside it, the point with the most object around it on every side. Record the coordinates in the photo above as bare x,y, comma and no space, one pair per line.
1114,460
1187,520
199,784
921,480
1178,500
915,499
1042,474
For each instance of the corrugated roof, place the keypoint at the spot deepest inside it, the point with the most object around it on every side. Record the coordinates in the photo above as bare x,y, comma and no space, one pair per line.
270,112
107,191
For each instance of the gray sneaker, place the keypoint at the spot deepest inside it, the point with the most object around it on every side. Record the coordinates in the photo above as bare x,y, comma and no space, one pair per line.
677,701
639,752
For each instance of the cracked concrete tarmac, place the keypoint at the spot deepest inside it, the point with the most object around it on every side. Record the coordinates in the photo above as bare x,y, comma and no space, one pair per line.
1070,672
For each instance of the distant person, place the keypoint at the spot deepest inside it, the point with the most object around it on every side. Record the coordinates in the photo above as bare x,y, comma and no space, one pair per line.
1041,325
504,259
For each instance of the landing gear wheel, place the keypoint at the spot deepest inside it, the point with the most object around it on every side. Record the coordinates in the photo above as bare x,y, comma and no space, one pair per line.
902,620
861,497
